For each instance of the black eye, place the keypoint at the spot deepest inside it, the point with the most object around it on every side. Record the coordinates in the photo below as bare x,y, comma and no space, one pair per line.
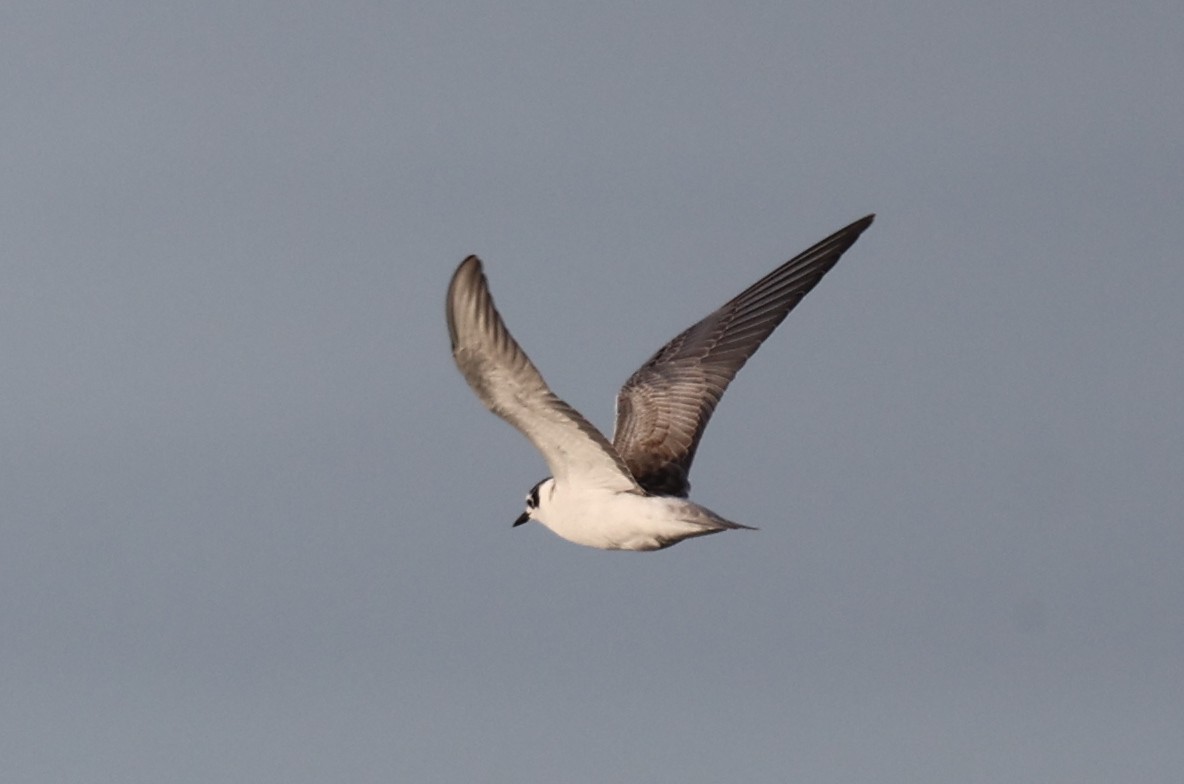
533,499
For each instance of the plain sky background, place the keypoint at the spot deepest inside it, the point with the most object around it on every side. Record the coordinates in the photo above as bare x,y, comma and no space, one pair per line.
256,528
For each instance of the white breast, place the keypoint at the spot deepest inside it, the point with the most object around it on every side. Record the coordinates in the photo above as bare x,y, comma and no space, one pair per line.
623,521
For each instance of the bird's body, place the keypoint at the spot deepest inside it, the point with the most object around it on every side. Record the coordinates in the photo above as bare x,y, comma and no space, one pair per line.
630,494
621,519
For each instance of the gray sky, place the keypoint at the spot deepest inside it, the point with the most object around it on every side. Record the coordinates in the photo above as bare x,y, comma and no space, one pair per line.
257,528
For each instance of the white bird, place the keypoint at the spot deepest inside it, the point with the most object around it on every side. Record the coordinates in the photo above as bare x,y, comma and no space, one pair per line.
630,494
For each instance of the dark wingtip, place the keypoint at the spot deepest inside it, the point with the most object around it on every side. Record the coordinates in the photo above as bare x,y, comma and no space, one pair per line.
862,223
845,237
470,266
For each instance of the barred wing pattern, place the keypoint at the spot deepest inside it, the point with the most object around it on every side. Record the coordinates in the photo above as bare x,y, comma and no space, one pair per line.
664,407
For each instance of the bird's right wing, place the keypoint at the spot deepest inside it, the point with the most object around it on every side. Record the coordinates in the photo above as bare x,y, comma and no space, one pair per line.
508,383
664,407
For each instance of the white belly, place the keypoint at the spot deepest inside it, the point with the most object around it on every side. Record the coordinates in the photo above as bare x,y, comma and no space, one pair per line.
624,521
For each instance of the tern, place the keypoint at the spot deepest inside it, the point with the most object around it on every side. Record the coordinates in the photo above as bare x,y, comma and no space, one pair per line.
630,494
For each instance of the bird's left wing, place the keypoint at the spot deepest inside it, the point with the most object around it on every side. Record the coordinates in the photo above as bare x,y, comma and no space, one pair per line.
508,383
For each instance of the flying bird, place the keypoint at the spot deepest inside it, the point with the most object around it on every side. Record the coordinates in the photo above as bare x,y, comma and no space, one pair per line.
630,494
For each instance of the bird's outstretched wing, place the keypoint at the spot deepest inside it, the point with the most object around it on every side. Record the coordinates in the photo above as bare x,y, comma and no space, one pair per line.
664,407
508,383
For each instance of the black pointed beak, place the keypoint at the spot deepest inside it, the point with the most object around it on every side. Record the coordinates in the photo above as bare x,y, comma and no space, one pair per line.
522,518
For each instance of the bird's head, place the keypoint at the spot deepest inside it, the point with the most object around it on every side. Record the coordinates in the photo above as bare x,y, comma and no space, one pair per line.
533,500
